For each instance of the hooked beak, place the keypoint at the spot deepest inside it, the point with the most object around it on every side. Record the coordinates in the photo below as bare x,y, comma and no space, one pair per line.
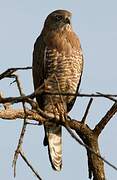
67,20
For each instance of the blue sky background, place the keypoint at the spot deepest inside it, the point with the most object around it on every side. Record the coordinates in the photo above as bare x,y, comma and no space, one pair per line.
96,24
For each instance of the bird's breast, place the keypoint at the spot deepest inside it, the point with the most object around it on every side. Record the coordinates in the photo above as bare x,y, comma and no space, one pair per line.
63,71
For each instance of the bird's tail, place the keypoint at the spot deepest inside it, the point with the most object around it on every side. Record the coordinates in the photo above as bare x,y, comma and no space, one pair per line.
53,139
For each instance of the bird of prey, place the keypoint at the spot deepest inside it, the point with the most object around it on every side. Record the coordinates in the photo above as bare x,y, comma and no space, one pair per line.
58,64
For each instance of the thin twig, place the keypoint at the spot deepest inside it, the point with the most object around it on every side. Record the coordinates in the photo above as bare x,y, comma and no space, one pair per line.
103,122
20,142
23,128
30,166
10,71
33,95
79,94
108,96
87,110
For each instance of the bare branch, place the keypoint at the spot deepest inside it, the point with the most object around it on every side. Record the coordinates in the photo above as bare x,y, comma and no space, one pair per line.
81,94
39,92
19,146
108,96
13,114
89,137
103,122
73,124
10,71
87,110
30,166
22,98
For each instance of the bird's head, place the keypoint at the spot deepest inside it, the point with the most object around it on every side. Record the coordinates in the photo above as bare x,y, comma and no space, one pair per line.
58,19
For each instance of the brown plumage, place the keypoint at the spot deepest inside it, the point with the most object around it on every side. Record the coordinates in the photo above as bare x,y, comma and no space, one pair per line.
58,63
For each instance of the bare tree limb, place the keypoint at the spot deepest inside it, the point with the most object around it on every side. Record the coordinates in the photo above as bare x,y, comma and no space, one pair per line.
103,122
89,137
82,130
13,114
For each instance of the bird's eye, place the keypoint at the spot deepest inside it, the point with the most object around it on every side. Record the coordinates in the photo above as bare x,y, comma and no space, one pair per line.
58,18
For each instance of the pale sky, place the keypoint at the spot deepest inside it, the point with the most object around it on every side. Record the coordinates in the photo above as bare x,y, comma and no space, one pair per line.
95,24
